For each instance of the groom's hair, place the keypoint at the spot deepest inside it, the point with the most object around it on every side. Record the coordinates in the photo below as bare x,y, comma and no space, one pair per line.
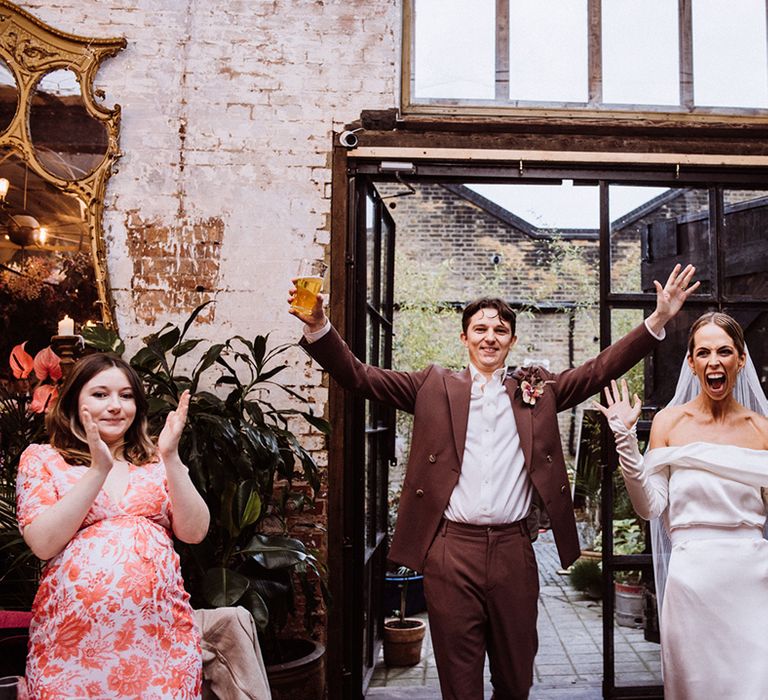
505,311
729,324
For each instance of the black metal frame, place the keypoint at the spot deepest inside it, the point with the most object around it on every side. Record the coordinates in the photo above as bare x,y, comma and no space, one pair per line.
369,434
716,299
363,170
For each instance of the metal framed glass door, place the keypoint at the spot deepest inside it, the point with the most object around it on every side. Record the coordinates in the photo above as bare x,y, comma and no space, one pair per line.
370,425
710,217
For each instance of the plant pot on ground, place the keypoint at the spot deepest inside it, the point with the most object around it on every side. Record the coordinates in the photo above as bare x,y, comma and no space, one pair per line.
403,636
629,590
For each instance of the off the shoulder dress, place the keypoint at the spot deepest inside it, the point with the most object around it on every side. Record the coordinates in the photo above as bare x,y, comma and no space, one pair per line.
714,624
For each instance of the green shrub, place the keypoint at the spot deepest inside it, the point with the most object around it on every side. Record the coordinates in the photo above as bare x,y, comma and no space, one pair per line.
587,577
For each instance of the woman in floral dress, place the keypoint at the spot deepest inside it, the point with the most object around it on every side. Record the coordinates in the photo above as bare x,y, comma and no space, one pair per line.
99,504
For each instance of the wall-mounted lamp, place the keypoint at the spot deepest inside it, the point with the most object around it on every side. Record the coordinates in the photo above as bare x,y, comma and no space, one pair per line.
21,228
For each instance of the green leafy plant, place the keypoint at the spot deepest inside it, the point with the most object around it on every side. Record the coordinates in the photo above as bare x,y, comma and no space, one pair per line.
628,538
244,458
19,427
587,577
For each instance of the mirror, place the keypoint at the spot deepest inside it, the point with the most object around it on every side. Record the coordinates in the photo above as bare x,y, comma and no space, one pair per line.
45,258
57,147
9,96
69,143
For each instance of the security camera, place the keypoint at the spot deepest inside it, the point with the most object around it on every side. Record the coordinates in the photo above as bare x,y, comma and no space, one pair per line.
495,258
348,139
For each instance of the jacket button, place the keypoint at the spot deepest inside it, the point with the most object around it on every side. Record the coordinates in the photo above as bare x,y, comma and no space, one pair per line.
549,458
419,492
432,459
562,489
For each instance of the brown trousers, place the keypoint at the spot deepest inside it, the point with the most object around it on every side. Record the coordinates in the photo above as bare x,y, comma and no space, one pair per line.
482,586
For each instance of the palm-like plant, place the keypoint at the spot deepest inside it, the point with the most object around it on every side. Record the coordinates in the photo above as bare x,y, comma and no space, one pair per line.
238,446
19,427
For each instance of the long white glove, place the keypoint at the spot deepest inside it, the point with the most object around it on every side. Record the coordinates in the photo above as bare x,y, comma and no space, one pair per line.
648,492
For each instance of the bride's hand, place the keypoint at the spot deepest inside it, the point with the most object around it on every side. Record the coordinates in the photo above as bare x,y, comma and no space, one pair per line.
619,404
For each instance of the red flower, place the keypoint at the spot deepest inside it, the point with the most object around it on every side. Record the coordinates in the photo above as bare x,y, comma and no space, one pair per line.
70,635
43,398
21,362
47,364
129,680
138,583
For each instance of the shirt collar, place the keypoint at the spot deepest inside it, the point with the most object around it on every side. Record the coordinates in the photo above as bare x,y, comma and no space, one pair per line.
477,376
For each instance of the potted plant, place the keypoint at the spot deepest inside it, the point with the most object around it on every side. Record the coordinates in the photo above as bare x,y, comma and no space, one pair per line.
26,391
403,636
244,458
629,590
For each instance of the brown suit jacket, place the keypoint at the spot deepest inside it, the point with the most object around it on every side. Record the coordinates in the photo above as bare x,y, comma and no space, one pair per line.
439,399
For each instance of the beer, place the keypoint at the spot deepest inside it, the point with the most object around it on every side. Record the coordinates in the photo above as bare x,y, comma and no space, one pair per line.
307,289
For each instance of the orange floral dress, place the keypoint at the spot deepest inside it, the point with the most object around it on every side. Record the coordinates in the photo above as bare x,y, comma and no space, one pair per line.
111,618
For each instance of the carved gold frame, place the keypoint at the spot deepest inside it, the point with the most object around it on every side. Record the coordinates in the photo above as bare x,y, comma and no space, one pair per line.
31,48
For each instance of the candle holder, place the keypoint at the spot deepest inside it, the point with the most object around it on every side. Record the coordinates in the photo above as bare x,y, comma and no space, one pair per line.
69,349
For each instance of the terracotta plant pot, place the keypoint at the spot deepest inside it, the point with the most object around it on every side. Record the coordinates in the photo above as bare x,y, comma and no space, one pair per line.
402,641
302,678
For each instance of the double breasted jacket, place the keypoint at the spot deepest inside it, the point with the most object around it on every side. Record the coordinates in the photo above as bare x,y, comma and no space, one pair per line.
439,400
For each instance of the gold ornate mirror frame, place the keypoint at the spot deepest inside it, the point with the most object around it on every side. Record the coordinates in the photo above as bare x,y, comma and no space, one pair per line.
33,50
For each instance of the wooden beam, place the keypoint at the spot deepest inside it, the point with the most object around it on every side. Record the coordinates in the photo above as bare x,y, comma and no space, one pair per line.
542,156
685,34
595,49
502,50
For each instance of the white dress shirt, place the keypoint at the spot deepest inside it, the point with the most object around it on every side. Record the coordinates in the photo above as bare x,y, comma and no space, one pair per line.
493,486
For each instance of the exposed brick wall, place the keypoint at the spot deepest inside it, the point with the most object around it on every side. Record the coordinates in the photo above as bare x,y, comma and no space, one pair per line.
228,112
173,266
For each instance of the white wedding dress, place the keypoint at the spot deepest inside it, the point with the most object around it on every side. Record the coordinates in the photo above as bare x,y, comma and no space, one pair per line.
714,620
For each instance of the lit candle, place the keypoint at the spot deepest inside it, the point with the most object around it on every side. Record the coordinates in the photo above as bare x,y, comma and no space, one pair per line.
66,326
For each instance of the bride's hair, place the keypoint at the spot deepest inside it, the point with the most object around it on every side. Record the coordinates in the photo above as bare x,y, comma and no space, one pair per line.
729,324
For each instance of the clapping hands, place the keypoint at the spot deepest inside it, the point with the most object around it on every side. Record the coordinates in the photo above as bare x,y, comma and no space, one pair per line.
168,441
101,456
619,404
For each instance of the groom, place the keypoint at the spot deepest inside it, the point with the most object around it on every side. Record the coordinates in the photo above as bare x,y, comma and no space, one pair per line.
485,441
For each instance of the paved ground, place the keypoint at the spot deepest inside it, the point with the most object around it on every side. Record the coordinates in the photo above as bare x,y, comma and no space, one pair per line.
569,663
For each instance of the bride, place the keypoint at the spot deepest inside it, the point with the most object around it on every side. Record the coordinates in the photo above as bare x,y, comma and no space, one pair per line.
702,479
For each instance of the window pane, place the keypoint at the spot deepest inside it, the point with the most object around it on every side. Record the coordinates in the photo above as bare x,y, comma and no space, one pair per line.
729,53
455,45
640,52
745,273
652,229
548,50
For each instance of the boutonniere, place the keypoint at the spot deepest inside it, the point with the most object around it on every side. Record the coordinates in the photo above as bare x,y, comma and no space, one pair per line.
531,383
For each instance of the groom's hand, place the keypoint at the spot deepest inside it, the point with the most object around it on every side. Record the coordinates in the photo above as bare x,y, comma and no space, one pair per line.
671,297
315,320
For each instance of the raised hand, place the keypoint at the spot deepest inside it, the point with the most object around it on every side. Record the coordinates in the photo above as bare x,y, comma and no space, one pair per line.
316,320
101,456
619,404
671,297
168,440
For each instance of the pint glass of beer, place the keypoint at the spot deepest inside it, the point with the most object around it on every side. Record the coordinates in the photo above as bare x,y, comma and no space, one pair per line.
309,282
